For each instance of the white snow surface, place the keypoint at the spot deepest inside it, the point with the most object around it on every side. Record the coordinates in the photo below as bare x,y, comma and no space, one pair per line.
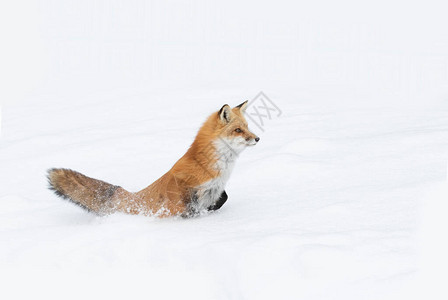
344,197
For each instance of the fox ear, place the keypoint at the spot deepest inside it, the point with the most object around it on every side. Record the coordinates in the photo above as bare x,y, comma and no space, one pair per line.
224,113
242,106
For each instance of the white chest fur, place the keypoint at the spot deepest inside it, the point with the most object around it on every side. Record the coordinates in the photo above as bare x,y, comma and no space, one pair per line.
227,152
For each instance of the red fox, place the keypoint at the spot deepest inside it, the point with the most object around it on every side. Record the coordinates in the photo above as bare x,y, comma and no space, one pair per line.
195,183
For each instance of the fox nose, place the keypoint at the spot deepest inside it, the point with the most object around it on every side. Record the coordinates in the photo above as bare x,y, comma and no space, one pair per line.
257,139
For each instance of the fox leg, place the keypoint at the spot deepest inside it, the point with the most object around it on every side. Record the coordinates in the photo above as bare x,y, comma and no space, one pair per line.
220,202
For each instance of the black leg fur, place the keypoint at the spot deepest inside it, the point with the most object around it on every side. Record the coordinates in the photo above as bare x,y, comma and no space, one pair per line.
222,199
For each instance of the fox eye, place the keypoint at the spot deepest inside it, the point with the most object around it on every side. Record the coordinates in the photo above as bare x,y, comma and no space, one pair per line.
238,130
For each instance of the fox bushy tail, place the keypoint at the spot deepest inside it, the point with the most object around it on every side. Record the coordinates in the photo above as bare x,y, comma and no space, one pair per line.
92,194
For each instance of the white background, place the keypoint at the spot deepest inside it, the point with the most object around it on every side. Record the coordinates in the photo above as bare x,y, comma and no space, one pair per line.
343,198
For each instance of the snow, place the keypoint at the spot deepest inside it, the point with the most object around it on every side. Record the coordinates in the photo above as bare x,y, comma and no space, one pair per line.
344,197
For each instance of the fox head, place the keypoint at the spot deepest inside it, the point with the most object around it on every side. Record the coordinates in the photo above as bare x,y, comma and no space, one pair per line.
222,137
233,129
